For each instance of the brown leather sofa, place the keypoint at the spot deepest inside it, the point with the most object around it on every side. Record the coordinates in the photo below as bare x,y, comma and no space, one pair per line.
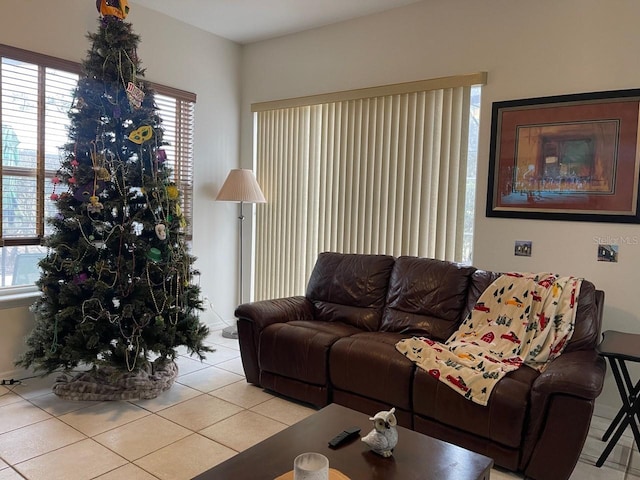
337,344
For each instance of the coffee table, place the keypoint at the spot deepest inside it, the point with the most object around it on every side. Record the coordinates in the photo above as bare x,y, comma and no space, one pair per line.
416,457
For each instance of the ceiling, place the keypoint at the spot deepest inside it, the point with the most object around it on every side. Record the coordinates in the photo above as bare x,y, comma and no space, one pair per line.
247,21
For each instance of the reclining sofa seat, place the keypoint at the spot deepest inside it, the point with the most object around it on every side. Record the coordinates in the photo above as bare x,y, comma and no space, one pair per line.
337,344
345,296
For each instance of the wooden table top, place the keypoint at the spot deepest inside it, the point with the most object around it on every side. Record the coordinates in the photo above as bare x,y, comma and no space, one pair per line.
416,456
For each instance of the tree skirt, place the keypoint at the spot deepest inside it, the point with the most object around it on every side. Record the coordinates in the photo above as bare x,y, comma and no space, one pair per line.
109,383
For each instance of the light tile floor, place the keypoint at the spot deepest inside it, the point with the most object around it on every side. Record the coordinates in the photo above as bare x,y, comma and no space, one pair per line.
209,415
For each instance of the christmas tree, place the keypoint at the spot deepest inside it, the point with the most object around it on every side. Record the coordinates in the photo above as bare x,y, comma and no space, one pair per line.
117,282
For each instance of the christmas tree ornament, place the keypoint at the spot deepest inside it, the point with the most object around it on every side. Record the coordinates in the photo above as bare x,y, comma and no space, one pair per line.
135,95
161,156
161,231
94,205
115,8
172,192
181,220
102,174
154,254
84,192
54,196
141,135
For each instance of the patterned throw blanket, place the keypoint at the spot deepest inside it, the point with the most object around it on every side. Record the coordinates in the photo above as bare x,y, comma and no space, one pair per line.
520,318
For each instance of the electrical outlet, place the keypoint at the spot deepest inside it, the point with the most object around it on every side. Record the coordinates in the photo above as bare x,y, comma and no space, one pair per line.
207,303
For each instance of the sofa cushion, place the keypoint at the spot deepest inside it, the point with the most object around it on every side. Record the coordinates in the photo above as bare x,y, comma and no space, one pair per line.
503,420
426,297
368,364
300,349
350,288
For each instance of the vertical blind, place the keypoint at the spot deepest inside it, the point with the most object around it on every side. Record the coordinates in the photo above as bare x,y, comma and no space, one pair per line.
380,170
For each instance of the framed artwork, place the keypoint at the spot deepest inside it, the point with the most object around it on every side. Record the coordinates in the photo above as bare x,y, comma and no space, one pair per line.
569,157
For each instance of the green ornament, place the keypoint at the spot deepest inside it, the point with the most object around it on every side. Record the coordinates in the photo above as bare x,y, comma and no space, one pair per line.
159,321
154,255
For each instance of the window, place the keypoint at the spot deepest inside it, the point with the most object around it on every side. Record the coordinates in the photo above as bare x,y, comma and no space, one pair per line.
382,170
36,94
472,170
176,108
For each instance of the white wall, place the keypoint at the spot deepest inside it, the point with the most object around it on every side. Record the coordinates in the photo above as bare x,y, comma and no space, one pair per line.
176,55
529,49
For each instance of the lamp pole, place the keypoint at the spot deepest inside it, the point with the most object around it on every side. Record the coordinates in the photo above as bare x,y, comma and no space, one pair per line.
240,186
240,246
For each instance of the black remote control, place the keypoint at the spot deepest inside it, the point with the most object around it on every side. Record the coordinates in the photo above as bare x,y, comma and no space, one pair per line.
344,436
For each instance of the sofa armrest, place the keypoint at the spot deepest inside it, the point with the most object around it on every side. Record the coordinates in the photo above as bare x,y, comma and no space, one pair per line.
563,394
266,312
579,373
256,316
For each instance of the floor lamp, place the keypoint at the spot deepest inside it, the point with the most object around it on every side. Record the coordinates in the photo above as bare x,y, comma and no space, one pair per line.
240,186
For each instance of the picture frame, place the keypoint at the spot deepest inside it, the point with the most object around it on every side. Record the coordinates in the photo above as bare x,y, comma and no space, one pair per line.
567,157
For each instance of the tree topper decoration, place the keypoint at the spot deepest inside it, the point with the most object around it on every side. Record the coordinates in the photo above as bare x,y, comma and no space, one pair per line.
115,8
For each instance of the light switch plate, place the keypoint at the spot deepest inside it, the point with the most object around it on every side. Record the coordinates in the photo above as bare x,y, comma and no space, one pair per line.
523,248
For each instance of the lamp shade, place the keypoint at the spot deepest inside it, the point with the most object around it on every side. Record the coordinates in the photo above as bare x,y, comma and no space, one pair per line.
241,186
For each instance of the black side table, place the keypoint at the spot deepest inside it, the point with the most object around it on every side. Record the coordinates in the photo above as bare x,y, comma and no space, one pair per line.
618,348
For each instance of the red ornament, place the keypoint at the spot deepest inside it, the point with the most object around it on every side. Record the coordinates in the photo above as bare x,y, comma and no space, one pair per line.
72,180
54,196
55,180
